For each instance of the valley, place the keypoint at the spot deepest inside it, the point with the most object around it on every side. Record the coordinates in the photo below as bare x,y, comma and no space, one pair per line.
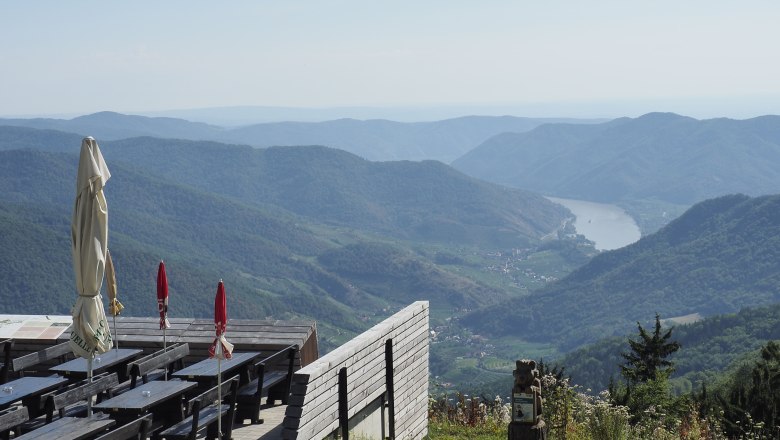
321,233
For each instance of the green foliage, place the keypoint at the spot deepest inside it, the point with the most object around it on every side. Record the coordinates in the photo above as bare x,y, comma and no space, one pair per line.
711,346
750,397
647,359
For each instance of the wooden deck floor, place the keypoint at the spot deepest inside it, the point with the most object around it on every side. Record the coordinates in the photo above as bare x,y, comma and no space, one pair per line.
270,430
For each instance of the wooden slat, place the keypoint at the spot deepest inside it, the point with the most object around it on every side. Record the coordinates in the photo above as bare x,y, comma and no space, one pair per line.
313,413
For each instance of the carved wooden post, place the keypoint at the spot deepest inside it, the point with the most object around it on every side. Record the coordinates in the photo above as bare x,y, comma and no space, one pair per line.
526,422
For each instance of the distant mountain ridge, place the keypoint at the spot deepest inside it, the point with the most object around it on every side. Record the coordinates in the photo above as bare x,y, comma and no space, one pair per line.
720,256
659,156
374,139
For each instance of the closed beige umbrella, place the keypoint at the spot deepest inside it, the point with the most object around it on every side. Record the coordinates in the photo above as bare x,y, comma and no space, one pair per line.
90,333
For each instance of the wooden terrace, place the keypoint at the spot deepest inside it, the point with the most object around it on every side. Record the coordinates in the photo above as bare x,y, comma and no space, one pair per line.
261,338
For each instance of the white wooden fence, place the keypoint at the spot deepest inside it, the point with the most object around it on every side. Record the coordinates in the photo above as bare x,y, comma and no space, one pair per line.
313,407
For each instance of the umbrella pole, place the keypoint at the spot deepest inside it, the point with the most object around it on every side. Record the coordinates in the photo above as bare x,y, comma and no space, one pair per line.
219,390
89,376
165,348
116,334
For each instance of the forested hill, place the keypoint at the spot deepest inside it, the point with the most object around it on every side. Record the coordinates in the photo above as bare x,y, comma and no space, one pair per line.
720,256
709,348
658,156
426,201
413,200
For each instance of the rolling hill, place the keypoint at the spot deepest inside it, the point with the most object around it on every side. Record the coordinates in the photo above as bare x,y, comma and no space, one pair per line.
659,156
426,201
409,200
720,256
372,139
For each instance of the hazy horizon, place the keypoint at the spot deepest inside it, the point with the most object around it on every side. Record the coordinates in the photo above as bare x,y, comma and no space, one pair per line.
553,59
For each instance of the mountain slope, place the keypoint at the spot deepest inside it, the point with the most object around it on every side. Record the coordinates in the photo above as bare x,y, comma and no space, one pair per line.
721,255
657,156
421,201
410,200
709,348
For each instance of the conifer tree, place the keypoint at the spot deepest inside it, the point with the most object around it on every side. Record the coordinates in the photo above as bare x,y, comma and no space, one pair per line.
647,359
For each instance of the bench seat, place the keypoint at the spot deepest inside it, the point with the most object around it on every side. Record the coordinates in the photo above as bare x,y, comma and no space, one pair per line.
204,414
271,384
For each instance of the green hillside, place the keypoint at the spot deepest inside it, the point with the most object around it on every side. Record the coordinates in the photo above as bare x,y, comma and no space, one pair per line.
709,348
658,156
720,256
409,200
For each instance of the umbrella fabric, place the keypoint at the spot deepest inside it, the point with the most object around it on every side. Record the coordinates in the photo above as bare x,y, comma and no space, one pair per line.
162,296
89,243
114,306
220,348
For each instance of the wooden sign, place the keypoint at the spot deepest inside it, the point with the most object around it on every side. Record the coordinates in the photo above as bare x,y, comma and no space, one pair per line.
523,408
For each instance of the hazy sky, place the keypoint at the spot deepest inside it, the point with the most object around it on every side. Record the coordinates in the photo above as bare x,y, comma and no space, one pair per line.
704,58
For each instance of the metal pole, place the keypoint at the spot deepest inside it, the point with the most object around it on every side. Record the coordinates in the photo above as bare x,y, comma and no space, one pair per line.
165,345
116,334
343,404
390,387
219,390
89,376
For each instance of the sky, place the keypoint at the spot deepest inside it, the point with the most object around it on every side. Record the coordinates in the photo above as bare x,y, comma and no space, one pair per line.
540,58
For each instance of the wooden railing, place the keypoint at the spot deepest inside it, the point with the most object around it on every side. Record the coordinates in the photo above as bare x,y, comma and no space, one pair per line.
388,362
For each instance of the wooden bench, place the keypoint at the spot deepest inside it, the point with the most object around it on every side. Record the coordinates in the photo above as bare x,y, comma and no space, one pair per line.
10,419
159,362
8,345
63,401
203,413
71,401
71,428
272,384
138,429
23,363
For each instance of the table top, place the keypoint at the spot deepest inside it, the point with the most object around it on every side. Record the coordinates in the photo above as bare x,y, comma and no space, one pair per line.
28,386
70,428
207,368
102,361
135,400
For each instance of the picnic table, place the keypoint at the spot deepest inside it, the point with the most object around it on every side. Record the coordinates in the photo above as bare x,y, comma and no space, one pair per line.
205,371
112,361
164,399
29,389
70,428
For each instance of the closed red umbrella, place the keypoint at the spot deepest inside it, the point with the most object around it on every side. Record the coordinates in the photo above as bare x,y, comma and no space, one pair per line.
162,302
220,348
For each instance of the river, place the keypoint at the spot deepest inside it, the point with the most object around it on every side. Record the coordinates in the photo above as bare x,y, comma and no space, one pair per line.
608,226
